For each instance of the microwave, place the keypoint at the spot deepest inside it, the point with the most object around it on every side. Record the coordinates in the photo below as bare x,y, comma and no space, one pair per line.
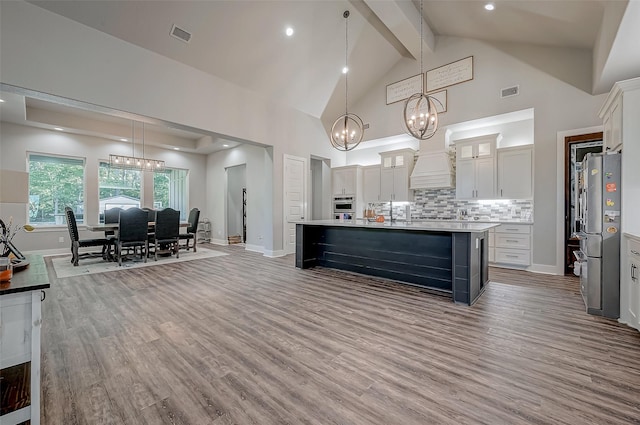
344,204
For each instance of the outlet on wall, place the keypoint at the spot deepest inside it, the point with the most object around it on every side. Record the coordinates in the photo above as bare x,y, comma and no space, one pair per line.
61,239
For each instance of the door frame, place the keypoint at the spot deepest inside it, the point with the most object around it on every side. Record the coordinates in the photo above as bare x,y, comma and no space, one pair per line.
305,201
560,191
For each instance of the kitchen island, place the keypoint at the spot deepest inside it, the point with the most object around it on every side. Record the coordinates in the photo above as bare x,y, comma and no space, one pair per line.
447,257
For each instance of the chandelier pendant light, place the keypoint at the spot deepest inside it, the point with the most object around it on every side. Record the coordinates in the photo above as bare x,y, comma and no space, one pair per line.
348,130
133,162
420,116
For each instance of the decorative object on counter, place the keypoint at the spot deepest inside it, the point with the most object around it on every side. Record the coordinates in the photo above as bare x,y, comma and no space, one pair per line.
380,219
6,269
134,162
7,233
420,115
348,130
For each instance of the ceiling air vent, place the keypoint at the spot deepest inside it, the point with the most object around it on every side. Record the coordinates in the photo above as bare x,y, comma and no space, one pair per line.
510,91
180,34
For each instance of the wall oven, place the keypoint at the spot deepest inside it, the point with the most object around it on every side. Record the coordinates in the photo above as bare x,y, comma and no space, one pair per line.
344,204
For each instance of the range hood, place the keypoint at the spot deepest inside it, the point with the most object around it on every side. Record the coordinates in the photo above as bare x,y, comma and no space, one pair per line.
433,168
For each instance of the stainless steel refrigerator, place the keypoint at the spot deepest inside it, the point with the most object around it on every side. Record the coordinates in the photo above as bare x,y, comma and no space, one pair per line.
600,236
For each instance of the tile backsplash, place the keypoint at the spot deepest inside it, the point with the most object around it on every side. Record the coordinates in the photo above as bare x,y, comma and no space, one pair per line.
442,204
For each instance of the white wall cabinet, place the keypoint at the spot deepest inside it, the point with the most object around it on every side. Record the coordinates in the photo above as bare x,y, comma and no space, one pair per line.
515,173
371,183
345,180
476,167
394,175
612,124
620,113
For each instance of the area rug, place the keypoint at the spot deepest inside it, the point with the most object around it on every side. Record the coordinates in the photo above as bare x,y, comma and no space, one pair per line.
64,268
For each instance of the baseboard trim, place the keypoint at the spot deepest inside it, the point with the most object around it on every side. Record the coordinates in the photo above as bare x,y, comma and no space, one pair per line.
219,242
50,252
254,248
544,269
275,254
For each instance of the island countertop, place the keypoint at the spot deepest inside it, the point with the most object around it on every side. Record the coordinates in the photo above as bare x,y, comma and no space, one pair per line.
435,225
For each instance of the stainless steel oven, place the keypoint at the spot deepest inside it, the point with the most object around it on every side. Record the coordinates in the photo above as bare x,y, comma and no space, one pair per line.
344,204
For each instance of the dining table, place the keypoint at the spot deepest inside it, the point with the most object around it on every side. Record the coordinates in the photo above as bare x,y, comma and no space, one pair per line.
102,227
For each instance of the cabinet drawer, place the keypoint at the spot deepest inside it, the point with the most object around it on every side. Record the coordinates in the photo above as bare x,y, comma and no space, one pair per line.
492,239
510,240
492,255
633,249
519,257
514,228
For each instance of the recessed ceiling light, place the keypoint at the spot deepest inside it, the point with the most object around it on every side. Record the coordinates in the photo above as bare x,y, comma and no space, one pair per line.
58,129
176,149
489,6
345,70
124,140
289,31
225,146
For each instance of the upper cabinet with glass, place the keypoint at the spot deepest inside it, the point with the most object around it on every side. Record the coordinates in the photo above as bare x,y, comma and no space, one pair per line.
476,147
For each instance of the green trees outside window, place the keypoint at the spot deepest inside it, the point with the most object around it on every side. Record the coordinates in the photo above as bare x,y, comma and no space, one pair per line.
54,183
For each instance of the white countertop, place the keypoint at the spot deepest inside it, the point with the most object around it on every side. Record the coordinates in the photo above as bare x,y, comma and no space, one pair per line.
435,225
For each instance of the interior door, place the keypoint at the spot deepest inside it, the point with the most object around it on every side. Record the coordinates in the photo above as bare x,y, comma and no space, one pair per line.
295,171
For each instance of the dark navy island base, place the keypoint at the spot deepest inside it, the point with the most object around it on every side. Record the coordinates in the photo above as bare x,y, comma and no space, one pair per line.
451,258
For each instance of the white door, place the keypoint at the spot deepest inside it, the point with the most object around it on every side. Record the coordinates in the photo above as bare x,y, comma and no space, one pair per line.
295,171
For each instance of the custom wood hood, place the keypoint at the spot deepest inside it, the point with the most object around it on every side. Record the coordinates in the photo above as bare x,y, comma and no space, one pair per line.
433,168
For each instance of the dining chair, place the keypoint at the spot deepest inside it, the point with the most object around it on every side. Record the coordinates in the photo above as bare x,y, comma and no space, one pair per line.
111,216
132,232
151,218
192,229
167,231
77,243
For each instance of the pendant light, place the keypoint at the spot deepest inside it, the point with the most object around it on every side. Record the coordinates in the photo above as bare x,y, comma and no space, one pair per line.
347,131
420,116
133,162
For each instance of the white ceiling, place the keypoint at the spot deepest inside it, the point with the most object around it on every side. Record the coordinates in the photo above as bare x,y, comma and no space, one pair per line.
244,42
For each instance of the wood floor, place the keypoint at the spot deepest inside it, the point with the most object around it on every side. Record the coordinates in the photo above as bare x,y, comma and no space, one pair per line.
243,339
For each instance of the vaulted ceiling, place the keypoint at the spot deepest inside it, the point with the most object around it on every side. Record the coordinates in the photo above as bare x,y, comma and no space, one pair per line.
244,42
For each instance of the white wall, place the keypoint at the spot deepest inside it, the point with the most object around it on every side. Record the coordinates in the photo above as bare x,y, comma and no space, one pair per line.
557,106
45,52
16,141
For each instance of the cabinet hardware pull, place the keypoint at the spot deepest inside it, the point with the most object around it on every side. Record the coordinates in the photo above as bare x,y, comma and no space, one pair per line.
511,240
633,272
511,256
43,295
500,192
634,252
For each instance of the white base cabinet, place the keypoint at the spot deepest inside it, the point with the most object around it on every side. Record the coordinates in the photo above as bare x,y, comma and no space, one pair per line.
630,282
20,321
510,246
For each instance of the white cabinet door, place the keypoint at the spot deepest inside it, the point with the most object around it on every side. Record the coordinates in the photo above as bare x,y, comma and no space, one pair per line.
465,179
371,177
485,178
401,184
615,143
633,303
344,181
515,173
386,184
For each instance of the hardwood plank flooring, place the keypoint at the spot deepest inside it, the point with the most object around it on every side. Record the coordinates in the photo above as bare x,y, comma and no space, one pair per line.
244,339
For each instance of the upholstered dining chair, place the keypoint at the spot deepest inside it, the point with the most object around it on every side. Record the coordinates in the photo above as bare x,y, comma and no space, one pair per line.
77,243
167,231
151,217
192,229
112,216
132,232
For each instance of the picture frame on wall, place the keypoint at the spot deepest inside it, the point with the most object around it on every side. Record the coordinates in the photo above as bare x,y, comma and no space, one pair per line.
441,96
401,90
450,74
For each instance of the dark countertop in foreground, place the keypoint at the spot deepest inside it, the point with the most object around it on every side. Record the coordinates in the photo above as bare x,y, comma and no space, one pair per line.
33,278
436,225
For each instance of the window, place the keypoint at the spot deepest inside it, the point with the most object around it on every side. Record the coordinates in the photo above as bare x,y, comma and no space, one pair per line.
118,188
55,182
170,190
